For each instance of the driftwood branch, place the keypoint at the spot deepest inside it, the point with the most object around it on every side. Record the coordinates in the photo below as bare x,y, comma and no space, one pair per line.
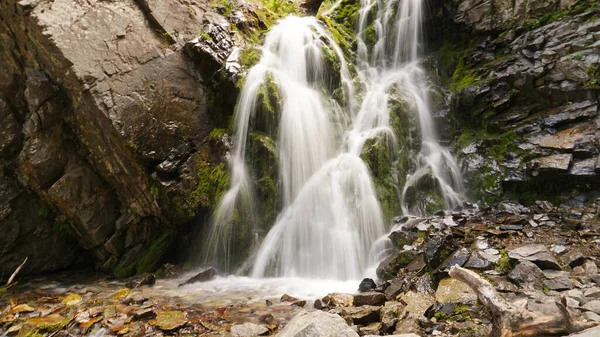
513,319
14,274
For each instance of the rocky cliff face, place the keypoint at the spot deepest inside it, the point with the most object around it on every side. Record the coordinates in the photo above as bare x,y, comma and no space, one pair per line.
524,94
103,119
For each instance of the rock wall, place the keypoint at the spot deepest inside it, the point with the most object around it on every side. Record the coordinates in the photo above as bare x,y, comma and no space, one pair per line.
523,90
103,117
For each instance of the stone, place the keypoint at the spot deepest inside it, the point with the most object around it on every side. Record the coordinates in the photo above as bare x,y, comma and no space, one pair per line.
593,332
203,276
317,324
338,300
389,314
369,298
591,316
362,315
593,306
590,268
169,320
287,298
527,274
593,292
536,253
557,162
373,328
248,330
417,303
573,258
459,258
388,268
557,280
453,291
367,284
476,261
394,288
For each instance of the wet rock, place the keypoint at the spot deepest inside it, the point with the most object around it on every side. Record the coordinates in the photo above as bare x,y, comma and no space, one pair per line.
287,298
527,274
557,162
338,300
143,314
248,330
459,258
369,298
317,324
367,284
203,276
169,320
453,291
389,267
536,253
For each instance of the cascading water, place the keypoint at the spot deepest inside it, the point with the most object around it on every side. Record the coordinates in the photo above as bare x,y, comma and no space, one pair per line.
331,218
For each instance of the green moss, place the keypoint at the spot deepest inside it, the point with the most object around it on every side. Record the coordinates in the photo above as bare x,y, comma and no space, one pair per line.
64,229
440,316
125,269
156,253
154,192
264,163
218,133
422,235
377,156
213,181
43,212
504,264
545,289
249,57
434,203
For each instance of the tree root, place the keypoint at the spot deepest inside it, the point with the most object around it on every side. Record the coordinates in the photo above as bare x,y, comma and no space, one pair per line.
513,319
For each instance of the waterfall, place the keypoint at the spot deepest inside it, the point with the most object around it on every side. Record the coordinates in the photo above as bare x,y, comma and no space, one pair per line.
330,220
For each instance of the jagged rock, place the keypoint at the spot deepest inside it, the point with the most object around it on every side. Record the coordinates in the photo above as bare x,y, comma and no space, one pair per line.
367,284
593,306
203,276
363,315
557,280
338,300
536,253
248,330
394,288
417,303
459,258
369,298
527,274
476,261
389,315
593,292
373,328
573,258
317,324
388,268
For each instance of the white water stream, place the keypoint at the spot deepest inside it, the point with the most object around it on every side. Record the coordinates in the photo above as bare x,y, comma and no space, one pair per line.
331,218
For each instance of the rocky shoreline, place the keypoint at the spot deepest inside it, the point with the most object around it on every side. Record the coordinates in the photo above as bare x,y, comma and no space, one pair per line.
533,254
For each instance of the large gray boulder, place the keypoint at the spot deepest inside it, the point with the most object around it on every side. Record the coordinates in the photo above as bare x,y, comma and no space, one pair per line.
317,324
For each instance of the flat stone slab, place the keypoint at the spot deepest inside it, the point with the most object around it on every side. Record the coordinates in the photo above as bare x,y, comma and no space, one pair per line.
536,253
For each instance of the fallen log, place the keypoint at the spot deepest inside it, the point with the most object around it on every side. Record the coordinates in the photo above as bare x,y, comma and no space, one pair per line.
513,319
